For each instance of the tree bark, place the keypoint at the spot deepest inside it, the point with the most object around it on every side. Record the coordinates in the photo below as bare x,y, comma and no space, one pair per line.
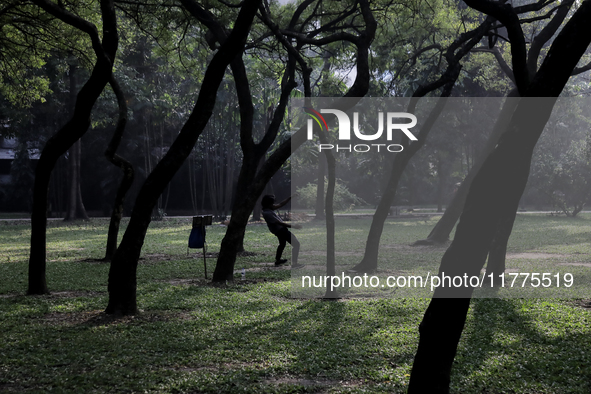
71,132
440,233
456,51
494,195
75,207
123,271
251,182
330,223
126,168
369,263
498,248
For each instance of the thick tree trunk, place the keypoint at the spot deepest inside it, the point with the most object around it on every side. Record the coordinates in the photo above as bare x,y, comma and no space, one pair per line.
233,241
251,190
75,208
494,197
456,51
447,222
498,248
70,133
494,194
256,212
126,168
436,366
122,274
117,213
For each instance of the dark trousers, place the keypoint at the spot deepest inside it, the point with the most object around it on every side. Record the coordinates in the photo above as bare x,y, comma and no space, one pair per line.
284,236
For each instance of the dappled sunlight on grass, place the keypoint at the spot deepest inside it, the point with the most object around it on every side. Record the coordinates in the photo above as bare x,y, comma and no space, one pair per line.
257,333
250,336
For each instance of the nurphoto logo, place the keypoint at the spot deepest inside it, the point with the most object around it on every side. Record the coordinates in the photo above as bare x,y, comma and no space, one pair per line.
344,127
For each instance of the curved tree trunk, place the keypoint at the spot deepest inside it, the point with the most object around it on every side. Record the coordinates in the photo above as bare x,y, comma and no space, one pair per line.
126,168
123,270
71,132
75,207
251,185
440,233
330,224
369,263
456,51
495,192
329,210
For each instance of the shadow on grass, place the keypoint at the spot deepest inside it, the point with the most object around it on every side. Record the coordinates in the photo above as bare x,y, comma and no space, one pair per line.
254,338
524,346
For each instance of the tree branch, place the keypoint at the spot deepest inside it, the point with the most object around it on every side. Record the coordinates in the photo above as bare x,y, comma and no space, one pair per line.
566,51
508,17
580,70
502,63
456,51
545,35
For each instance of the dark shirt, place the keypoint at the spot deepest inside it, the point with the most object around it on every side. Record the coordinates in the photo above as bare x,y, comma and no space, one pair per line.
272,220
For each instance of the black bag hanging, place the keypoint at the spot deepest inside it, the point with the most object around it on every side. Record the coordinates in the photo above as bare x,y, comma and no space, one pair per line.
197,237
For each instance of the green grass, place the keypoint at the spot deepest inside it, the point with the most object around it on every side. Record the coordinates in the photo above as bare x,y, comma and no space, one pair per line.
252,337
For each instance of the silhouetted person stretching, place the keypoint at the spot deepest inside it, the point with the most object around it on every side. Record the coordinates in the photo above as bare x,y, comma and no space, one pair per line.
280,229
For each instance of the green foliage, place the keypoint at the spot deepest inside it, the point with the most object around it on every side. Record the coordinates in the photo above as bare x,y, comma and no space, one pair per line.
570,179
562,161
29,38
344,200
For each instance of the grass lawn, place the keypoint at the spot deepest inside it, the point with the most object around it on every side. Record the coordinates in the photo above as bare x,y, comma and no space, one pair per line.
253,337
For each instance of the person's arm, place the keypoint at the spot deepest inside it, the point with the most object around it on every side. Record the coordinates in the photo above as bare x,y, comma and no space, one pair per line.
282,223
296,226
282,203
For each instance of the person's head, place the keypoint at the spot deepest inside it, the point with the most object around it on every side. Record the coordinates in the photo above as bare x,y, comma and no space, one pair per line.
268,201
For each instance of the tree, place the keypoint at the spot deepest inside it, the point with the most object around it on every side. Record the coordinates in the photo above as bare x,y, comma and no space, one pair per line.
541,36
75,207
447,222
495,191
122,273
336,25
456,51
126,167
57,145
498,247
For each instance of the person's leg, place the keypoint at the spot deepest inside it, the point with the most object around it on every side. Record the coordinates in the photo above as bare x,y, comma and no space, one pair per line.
295,248
282,241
